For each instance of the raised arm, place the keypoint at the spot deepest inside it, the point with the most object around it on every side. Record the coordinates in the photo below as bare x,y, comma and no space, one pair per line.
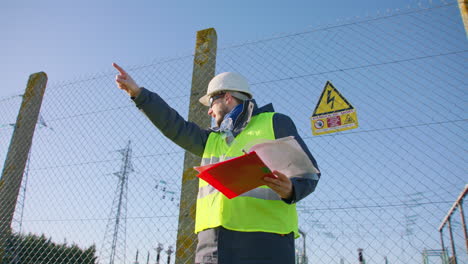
187,135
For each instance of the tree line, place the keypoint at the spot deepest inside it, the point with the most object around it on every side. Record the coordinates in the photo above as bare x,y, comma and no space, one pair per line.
30,248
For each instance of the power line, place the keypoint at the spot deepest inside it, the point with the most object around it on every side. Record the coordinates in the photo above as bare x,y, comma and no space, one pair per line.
299,209
97,219
89,113
390,128
362,67
105,161
10,97
339,26
425,192
282,79
134,68
372,206
108,110
263,40
179,152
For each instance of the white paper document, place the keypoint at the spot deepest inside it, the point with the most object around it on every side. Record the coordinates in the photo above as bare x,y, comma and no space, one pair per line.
286,156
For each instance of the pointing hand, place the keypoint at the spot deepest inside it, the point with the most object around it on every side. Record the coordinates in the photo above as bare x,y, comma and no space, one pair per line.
125,82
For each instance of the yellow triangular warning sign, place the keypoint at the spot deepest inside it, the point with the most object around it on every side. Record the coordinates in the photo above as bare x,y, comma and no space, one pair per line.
348,119
333,113
331,101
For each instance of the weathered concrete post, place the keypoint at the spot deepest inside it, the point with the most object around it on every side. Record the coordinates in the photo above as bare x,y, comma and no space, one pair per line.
203,71
463,5
12,175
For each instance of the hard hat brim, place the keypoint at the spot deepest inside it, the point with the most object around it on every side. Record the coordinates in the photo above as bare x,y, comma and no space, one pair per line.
205,100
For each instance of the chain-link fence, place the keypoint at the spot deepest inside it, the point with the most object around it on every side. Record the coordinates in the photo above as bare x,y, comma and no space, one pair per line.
102,184
448,228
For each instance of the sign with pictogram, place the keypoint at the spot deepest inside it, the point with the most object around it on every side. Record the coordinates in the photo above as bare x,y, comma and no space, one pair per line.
333,112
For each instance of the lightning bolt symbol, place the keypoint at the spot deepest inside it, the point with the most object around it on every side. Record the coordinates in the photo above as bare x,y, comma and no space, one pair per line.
330,99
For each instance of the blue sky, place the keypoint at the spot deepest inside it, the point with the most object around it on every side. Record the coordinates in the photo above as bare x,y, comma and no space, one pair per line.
70,40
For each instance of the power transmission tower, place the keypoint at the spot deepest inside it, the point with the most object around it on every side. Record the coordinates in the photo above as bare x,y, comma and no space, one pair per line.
136,259
114,245
158,252
169,251
361,256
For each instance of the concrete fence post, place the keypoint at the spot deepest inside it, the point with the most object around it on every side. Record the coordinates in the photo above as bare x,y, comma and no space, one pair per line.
203,71
13,170
463,5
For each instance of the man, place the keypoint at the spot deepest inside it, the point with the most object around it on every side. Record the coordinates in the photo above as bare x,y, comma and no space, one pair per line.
258,226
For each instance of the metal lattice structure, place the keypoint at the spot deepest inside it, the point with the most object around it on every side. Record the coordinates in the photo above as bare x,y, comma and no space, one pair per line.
115,238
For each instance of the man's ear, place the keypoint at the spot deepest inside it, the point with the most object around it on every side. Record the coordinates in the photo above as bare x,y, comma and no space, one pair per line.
228,97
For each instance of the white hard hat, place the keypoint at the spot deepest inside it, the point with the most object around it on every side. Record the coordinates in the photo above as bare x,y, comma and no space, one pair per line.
226,81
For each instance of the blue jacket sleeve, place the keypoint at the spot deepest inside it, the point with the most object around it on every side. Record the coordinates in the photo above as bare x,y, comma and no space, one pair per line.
284,127
187,135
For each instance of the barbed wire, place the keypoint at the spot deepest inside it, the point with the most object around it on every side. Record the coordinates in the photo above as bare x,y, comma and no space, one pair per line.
288,35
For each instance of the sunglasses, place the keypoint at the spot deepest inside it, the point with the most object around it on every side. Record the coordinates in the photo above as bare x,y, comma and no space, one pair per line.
214,98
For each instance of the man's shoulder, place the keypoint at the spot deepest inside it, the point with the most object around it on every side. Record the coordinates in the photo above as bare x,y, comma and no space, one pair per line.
278,118
264,109
281,119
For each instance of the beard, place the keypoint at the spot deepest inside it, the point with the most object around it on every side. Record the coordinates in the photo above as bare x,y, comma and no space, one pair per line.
223,111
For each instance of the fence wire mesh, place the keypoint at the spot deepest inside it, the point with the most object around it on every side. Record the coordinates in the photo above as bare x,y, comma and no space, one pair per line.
103,185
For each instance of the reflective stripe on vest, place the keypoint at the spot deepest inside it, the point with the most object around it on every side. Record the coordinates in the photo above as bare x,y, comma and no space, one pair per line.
260,209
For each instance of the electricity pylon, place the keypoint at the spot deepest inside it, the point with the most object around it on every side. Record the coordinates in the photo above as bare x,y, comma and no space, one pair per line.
114,245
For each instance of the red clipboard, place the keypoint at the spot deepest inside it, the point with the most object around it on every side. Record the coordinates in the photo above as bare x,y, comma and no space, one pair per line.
235,176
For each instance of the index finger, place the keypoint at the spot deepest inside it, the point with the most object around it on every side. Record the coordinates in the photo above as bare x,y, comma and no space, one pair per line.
122,71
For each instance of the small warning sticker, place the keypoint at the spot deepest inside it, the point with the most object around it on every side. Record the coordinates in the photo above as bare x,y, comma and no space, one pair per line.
348,119
318,124
333,112
334,121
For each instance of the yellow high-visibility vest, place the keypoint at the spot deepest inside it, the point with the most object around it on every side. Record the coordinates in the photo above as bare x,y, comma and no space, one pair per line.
259,210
